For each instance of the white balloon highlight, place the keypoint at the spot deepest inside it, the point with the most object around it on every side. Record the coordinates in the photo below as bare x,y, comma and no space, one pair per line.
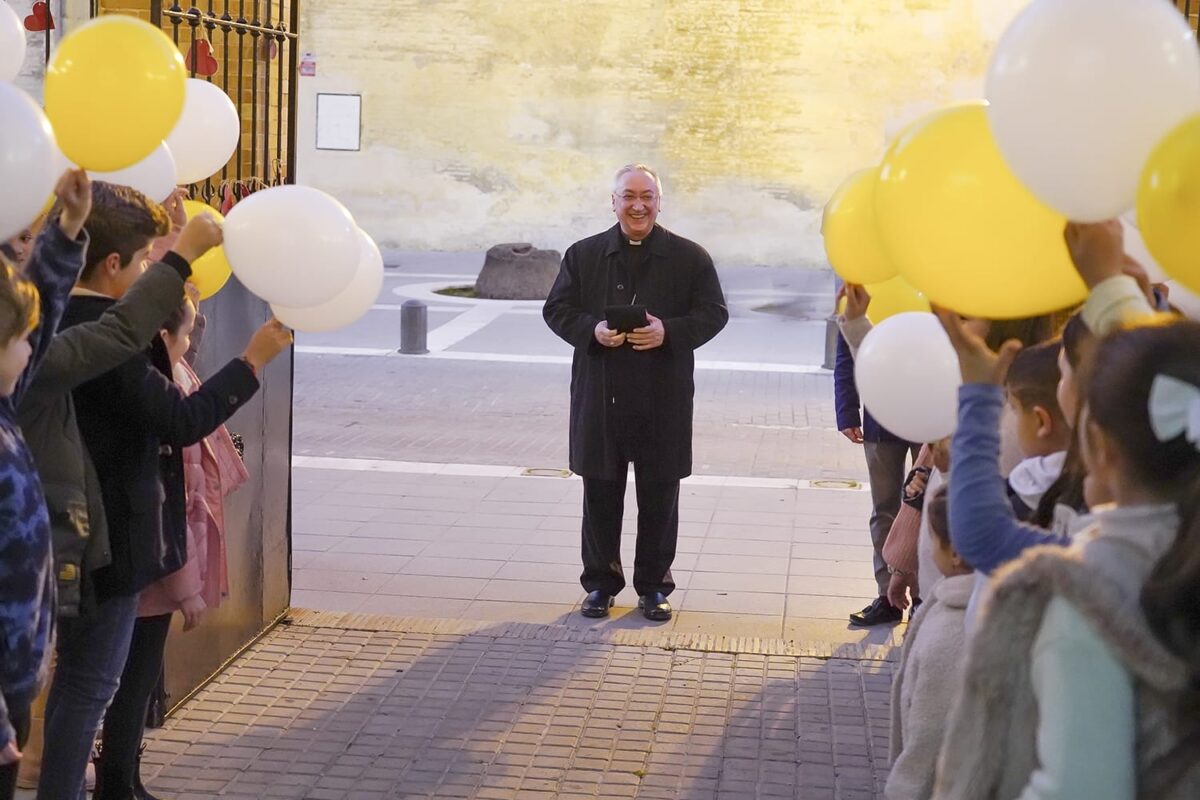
350,304
28,160
908,377
153,176
1081,91
294,246
206,135
12,43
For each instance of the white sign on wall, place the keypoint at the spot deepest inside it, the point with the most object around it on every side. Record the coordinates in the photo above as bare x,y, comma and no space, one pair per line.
339,121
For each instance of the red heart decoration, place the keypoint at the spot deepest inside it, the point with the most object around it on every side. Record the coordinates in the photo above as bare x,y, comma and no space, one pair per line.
200,59
40,19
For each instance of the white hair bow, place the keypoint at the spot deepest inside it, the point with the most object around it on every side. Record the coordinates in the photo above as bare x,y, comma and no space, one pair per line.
1175,409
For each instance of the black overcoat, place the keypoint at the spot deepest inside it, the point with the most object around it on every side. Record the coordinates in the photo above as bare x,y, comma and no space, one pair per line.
626,404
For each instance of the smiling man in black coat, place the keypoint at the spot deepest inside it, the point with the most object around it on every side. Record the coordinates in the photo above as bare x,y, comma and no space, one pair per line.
631,391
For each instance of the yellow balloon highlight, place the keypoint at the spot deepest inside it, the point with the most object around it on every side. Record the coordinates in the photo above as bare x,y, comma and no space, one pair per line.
892,297
963,230
1168,204
114,90
852,241
211,271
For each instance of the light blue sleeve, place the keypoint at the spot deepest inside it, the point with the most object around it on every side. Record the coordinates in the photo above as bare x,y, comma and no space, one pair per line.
1087,726
983,527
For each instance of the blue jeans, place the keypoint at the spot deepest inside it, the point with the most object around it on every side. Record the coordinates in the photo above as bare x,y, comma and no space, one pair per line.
91,655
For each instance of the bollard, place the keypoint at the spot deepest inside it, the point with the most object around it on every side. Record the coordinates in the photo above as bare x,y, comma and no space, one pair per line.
414,325
831,342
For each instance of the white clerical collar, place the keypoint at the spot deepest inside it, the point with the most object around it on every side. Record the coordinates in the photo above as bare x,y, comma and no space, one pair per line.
636,243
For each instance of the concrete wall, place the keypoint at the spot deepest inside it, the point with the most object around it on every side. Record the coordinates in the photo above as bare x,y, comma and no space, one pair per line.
503,121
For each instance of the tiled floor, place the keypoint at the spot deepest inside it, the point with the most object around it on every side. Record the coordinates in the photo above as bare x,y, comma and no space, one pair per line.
494,547
350,707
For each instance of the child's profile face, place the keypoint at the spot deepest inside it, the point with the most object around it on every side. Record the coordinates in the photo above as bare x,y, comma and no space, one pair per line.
131,271
179,342
14,357
1029,427
21,245
947,561
1067,391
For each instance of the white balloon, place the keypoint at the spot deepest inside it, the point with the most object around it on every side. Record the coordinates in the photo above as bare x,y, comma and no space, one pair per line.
28,160
908,377
1081,91
292,245
206,135
350,304
12,43
153,176
995,16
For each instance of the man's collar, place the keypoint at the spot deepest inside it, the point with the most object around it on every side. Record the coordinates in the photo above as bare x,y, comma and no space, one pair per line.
656,242
81,291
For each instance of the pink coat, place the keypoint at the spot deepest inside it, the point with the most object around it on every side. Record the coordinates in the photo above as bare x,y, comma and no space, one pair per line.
212,469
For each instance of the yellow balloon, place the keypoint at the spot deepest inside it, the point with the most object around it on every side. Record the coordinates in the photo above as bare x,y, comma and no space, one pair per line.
211,271
892,297
1168,203
852,241
114,90
963,230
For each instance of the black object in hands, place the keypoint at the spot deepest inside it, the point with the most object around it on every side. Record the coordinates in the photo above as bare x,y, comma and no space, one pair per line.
624,319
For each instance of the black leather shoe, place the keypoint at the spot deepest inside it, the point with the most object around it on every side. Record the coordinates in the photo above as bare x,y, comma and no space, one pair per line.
655,607
596,604
880,612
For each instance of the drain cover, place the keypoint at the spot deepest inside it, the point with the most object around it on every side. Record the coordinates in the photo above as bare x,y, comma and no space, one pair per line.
545,472
836,484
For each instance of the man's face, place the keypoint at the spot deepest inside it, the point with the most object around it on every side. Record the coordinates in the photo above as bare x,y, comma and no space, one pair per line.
131,271
636,204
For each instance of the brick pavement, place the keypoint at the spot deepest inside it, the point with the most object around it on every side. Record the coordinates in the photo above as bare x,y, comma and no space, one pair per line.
365,708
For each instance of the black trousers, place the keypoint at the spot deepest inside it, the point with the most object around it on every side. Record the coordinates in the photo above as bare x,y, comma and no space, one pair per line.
18,717
657,532
125,720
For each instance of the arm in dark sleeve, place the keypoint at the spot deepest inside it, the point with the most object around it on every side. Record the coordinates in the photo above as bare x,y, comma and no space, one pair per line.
88,350
846,403
983,526
707,313
178,419
564,311
53,268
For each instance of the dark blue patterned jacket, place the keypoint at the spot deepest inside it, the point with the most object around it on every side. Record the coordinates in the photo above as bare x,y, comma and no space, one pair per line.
27,586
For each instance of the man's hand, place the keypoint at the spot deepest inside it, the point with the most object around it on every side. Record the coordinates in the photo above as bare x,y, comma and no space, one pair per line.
193,612
200,234
607,337
853,434
1097,249
976,360
74,191
175,209
649,337
9,754
267,342
898,588
857,301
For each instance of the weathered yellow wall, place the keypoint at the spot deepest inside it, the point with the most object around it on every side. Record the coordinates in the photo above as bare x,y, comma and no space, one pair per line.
501,121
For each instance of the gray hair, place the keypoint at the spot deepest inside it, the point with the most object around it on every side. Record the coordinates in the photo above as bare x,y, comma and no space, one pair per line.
628,168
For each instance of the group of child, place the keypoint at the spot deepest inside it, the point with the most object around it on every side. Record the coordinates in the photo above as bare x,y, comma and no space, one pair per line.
113,465
1056,653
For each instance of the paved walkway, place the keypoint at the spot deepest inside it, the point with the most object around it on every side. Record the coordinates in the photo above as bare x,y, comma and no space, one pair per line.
365,708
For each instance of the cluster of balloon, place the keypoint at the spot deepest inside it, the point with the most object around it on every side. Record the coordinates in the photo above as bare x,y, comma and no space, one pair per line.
1092,109
139,121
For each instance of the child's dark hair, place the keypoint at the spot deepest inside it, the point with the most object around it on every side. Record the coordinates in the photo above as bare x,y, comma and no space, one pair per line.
122,221
1034,375
174,322
20,304
937,507
1118,400
1027,330
1067,490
